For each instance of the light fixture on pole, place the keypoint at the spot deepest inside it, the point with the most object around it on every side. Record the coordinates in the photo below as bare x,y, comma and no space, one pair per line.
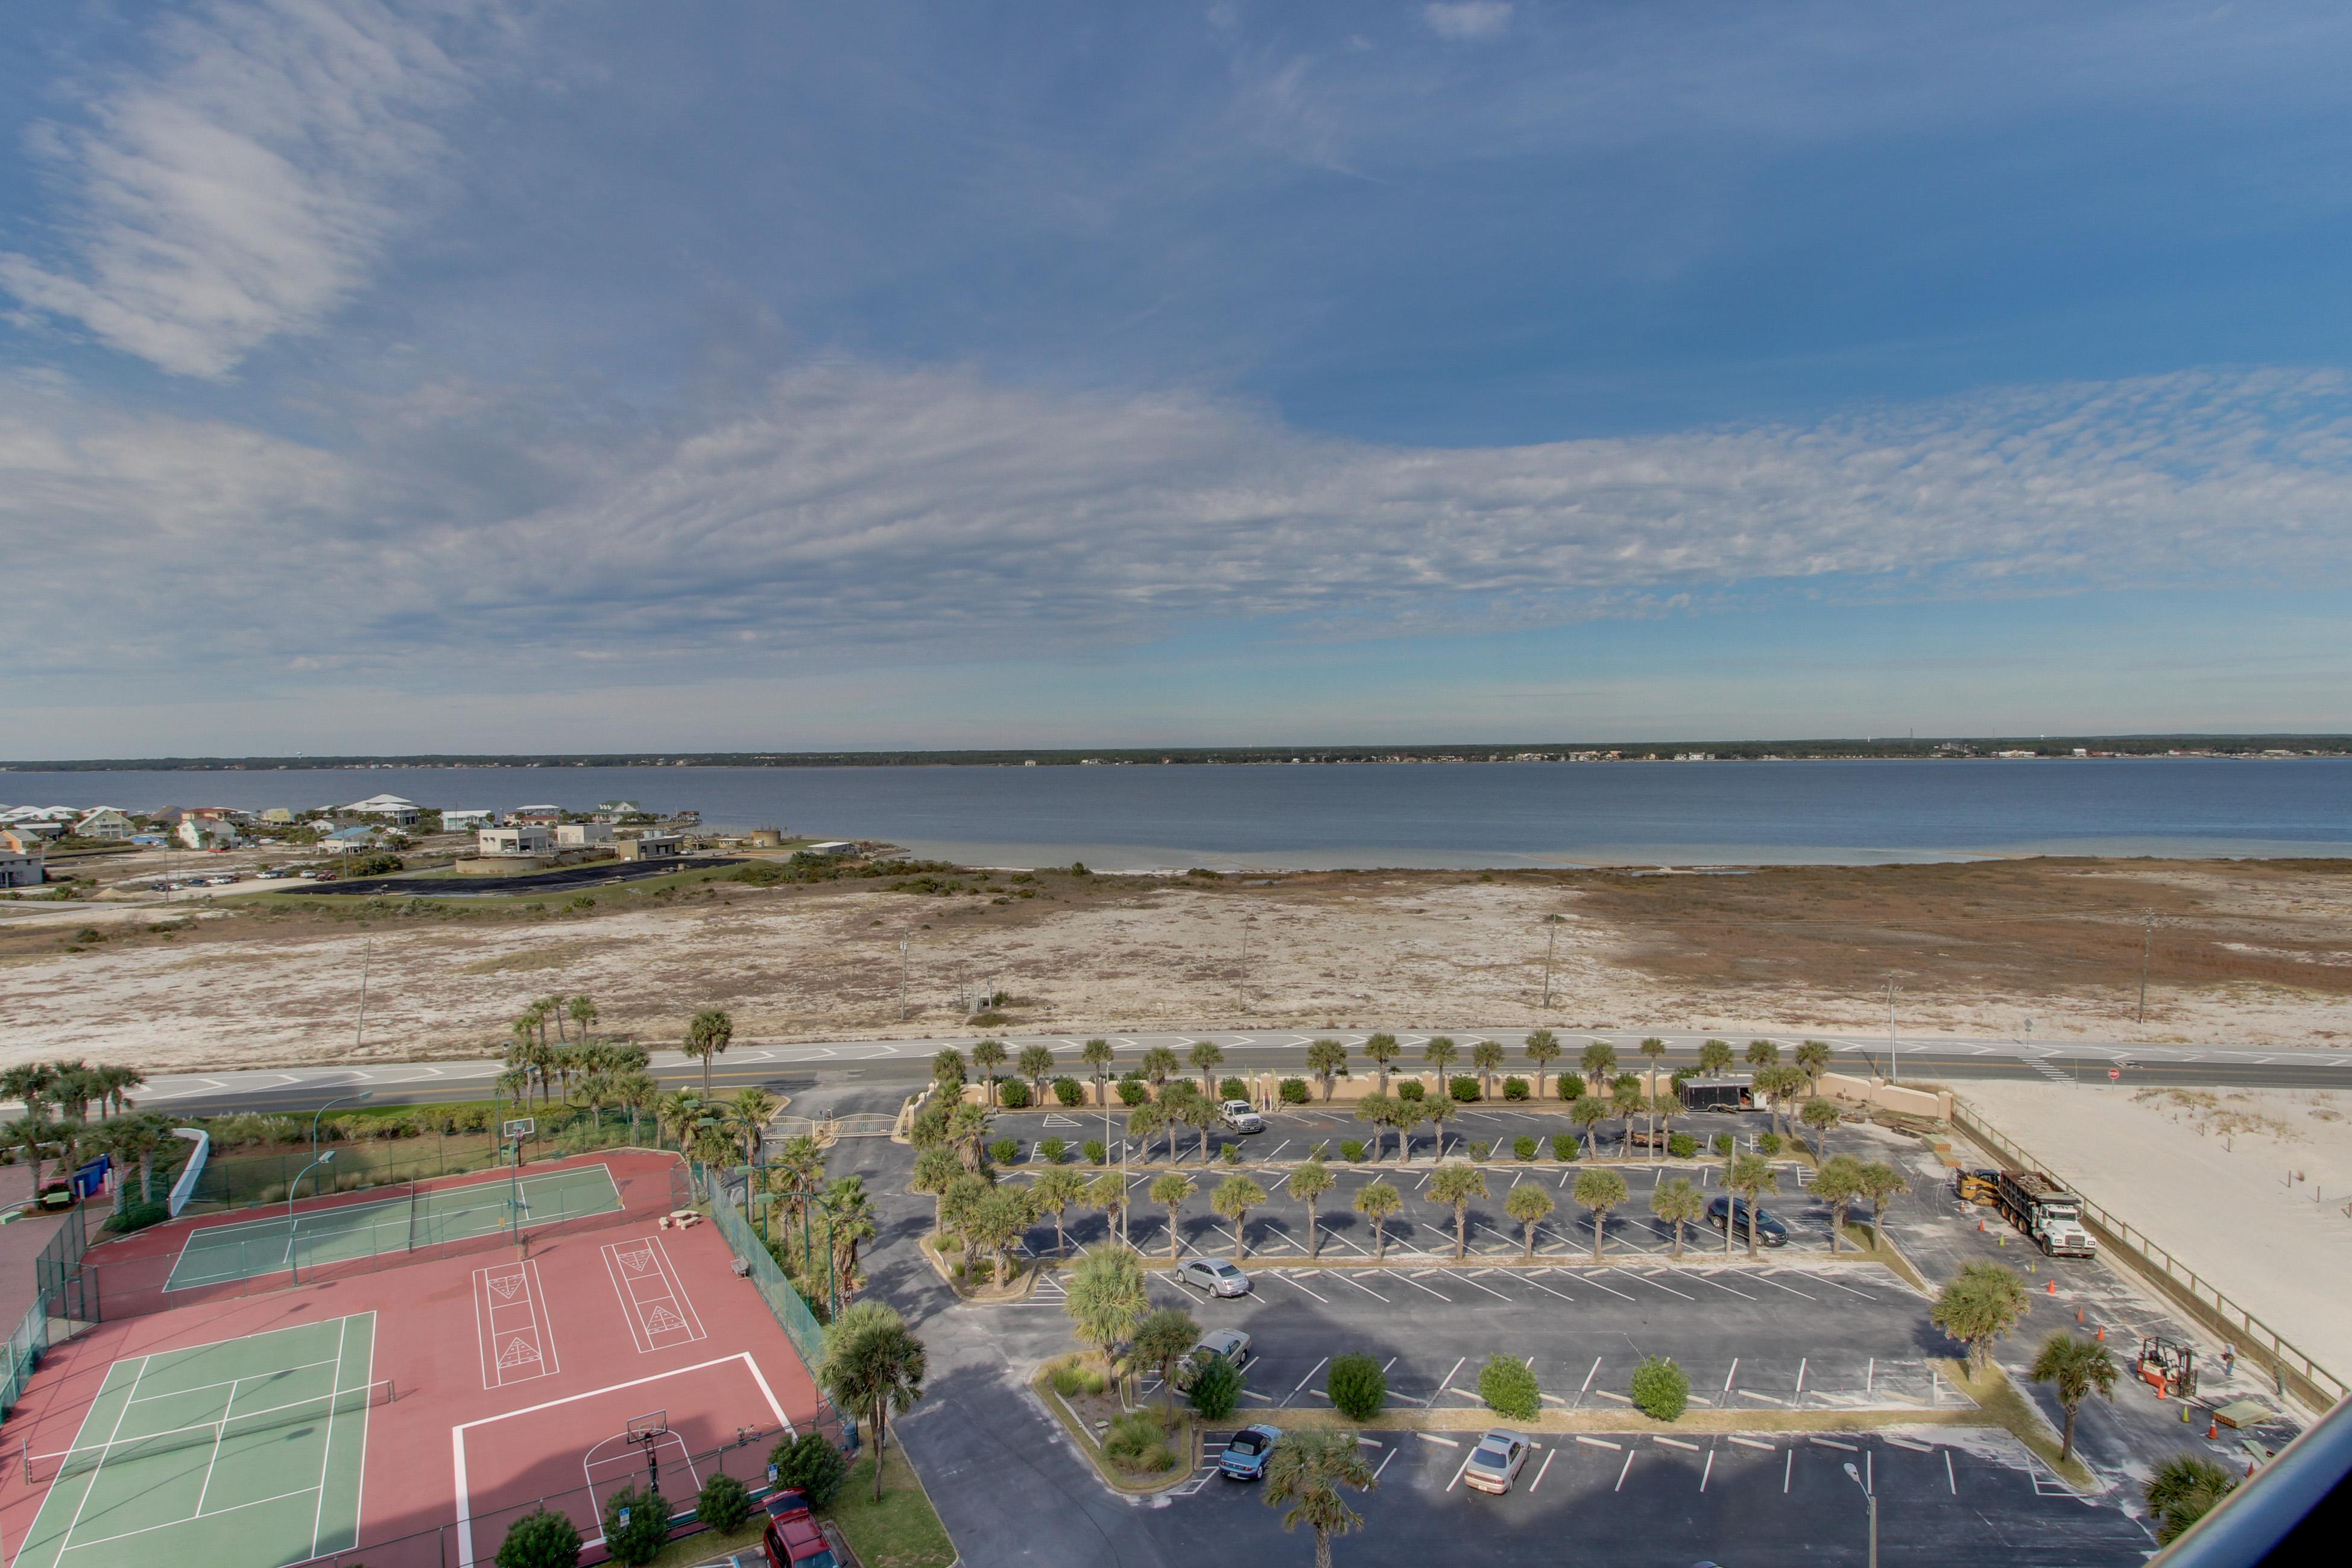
293,1253
343,1099
1856,1476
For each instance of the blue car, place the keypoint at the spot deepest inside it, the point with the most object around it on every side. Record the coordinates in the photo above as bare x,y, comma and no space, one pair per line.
1246,1455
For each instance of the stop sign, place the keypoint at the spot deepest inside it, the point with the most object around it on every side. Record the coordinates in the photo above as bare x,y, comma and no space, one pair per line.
2114,1074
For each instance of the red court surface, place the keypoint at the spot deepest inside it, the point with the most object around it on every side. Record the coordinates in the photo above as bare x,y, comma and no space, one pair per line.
516,1374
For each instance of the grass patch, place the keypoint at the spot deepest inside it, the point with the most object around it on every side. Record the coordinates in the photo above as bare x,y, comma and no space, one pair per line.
902,1530
1076,1413
533,958
705,1544
2010,1410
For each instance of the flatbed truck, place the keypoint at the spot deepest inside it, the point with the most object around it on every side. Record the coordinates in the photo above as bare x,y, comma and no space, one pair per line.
2049,1216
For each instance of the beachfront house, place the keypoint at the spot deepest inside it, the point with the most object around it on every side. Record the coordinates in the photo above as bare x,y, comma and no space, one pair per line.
278,817
652,846
105,823
206,833
20,861
390,808
467,821
523,838
345,840
543,815
582,834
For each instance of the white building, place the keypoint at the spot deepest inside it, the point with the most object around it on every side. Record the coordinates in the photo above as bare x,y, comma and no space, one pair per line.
20,867
391,807
344,841
466,821
105,823
524,838
653,846
204,833
580,835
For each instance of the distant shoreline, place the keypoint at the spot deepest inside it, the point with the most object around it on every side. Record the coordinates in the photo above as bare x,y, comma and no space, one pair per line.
2068,748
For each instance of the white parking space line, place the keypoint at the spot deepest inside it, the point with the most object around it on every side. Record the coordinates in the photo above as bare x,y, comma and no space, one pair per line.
1433,1437
1849,1289
1457,1471
1466,1279
1287,1279
1538,1285
1383,1464
1728,1376
1588,1380
1708,1472
1597,1285
1622,1474
1787,1470
1676,1443
1409,1279
1711,1280
1599,1442
1667,1289
1792,1290
1543,1469
1951,1480
1310,1376
1449,1376
1348,1278
1753,1443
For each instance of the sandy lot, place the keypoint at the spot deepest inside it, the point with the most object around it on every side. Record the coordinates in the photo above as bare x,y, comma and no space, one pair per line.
2242,953
2251,1188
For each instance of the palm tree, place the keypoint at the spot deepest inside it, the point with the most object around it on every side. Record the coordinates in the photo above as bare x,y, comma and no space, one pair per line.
1200,1114
1678,1203
1379,1202
583,1012
1655,1049
1328,1060
1372,1110
1762,1053
873,1366
1097,1056
1820,1115
848,1220
676,1112
1307,1470
29,1082
1486,1055
635,1090
799,1166
707,1035
1108,1192
1588,1112
1439,1052
948,1074
1838,1184
1625,1098
1600,1059
2183,1491
1171,1192
1714,1058
968,1129
1529,1205
1037,1066
1453,1185
1405,1115
1057,1188
1160,1064
998,1220
1977,1306
1751,1176
1440,1113
1161,1340
753,1110
1380,1050
139,1138
1107,1296
1814,1058
2074,1368
1307,1183
1206,1057
988,1056
1600,1191
114,1084
1780,1083
1142,1122
936,1170
515,1085
1542,1048
1881,1184
1233,1200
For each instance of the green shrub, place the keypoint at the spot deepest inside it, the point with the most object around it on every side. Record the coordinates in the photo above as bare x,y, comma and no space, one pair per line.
724,1504
1720,1142
1137,1445
1069,1090
1073,1377
640,1540
1524,1147
1216,1389
541,1539
811,1464
1131,1092
1661,1389
1352,1149
1294,1091
1358,1386
1230,1153
1509,1388
1465,1089
1570,1086
1681,1145
1097,1152
1563,1146
138,1216
1767,1143
1479,1150
1232,1089
1013,1094
1004,1151
1515,1089
1411,1089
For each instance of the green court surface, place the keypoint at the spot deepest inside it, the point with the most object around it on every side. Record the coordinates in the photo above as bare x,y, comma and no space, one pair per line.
245,1452
218,1254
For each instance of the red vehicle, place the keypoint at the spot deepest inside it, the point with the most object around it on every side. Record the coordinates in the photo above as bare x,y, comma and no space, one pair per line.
792,1539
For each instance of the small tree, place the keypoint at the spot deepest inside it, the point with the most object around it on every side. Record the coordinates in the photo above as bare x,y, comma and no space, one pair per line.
1057,1188
1528,1204
1160,1064
1486,1055
724,1503
1373,1110
1107,1298
541,1539
1308,1183
1589,1111
1543,1049
1379,1202
1812,1059
1171,1192
1207,1056
1328,1060
640,1539
1440,1054
936,1170
707,1036
1097,1056
1599,1061
1655,1049
988,1056
1751,1176
1160,1342
1819,1116
1358,1384
1037,1064
1881,1184
810,1465
1307,1470
1108,1192
1661,1389
1762,1053
1838,1184
1679,1204
2183,1491
1216,1389
1380,1050
2074,1368
1600,1191
1714,1058
1233,1200
873,1368
1979,1308
1626,1100
1454,1186
1509,1388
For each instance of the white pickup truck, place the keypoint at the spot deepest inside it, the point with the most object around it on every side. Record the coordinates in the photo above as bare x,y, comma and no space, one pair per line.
1239,1116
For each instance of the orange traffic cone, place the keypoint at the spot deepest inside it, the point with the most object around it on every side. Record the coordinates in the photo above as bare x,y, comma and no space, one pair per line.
2102,1333
2212,1430
2054,1286
2078,1314
1979,1227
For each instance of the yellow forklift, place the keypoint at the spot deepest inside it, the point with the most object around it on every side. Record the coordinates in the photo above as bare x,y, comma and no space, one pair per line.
2168,1366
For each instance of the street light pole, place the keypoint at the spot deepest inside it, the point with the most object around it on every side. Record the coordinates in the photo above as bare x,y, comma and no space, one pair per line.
1894,1067
902,979
340,1099
293,1257
2146,944
1551,943
1856,1476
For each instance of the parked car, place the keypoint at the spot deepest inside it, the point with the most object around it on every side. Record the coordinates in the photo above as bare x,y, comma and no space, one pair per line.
794,1539
1769,1231
1239,1116
1213,1275
1247,1452
1495,1463
1231,1343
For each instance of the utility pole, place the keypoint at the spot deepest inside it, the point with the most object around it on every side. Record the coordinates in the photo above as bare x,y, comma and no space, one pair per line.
1551,942
2146,944
902,979
1245,979
1893,1068
359,1032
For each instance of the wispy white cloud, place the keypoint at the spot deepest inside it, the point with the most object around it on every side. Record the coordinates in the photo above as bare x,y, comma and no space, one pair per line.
1466,20
244,183
861,515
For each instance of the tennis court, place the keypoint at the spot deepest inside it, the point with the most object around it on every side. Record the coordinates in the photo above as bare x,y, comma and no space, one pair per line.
242,1452
218,1254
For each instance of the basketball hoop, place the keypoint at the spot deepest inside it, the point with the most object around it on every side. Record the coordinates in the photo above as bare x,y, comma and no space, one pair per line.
518,1128
649,1431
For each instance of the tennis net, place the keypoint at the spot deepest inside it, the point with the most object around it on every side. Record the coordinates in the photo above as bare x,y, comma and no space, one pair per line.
83,1459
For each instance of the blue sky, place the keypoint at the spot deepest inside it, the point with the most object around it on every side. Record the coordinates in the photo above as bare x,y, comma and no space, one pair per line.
474,375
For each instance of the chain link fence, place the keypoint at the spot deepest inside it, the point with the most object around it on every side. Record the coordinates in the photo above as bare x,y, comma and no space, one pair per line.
58,1294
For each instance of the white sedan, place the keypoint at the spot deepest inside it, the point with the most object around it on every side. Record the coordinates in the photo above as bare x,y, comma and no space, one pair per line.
1496,1462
